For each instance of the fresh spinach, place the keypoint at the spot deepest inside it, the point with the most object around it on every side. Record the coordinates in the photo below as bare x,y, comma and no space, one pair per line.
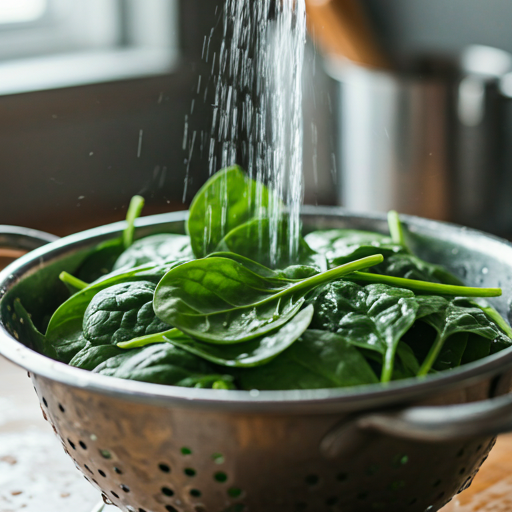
459,317
218,300
374,317
256,352
158,364
340,246
92,356
319,359
227,200
120,313
157,250
253,240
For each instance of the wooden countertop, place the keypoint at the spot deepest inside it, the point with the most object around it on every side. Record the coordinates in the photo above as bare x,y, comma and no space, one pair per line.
36,475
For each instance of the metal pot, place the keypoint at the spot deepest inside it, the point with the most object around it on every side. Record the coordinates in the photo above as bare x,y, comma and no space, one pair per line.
407,446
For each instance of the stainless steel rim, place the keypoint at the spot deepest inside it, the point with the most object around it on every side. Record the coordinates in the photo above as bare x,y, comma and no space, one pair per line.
315,401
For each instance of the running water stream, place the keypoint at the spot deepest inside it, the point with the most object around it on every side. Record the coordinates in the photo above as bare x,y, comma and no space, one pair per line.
257,113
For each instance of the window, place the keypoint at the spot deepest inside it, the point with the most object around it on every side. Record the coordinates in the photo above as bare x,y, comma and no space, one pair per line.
60,43
21,11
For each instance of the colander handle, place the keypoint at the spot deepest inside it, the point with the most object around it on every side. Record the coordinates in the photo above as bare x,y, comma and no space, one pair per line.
14,240
428,424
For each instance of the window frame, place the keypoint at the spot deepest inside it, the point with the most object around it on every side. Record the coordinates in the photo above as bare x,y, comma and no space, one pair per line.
143,41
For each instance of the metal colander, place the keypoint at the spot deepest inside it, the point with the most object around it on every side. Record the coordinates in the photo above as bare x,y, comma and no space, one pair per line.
409,446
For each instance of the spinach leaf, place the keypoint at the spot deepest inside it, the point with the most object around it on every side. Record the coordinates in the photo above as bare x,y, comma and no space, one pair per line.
218,300
477,348
253,240
26,330
459,317
158,364
156,249
343,245
256,352
73,310
228,199
373,317
317,360
92,356
67,340
103,257
120,313
291,273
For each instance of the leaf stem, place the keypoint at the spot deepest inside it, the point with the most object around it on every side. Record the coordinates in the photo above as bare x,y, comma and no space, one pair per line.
425,286
134,211
387,368
431,356
150,339
67,278
496,318
396,230
333,274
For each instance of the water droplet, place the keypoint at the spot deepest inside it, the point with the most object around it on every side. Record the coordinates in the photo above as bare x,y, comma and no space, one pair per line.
485,270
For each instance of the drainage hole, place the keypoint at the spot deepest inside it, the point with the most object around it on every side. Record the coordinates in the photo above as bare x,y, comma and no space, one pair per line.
45,402
167,491
234,492
220,476
72,444
195,492
102,473
61,408
114,494
189,472
186,451
118,471
125,488
105,454
165,468
88,469
170,508
82,445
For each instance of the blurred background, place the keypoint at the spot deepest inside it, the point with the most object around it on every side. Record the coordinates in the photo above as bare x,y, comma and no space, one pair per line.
406,102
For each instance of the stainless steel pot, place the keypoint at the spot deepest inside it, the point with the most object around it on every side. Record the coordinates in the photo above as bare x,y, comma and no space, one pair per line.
408,446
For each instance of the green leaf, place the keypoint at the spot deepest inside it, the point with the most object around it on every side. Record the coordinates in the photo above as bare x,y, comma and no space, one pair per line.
120,313
251,353
374,317
228,199
27,331
458,317
218,300
317,360
67,340
92,356
156,250
253,240
343,245
158,364
73,309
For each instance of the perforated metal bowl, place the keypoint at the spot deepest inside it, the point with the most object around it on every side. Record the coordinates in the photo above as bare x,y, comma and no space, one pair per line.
408,446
